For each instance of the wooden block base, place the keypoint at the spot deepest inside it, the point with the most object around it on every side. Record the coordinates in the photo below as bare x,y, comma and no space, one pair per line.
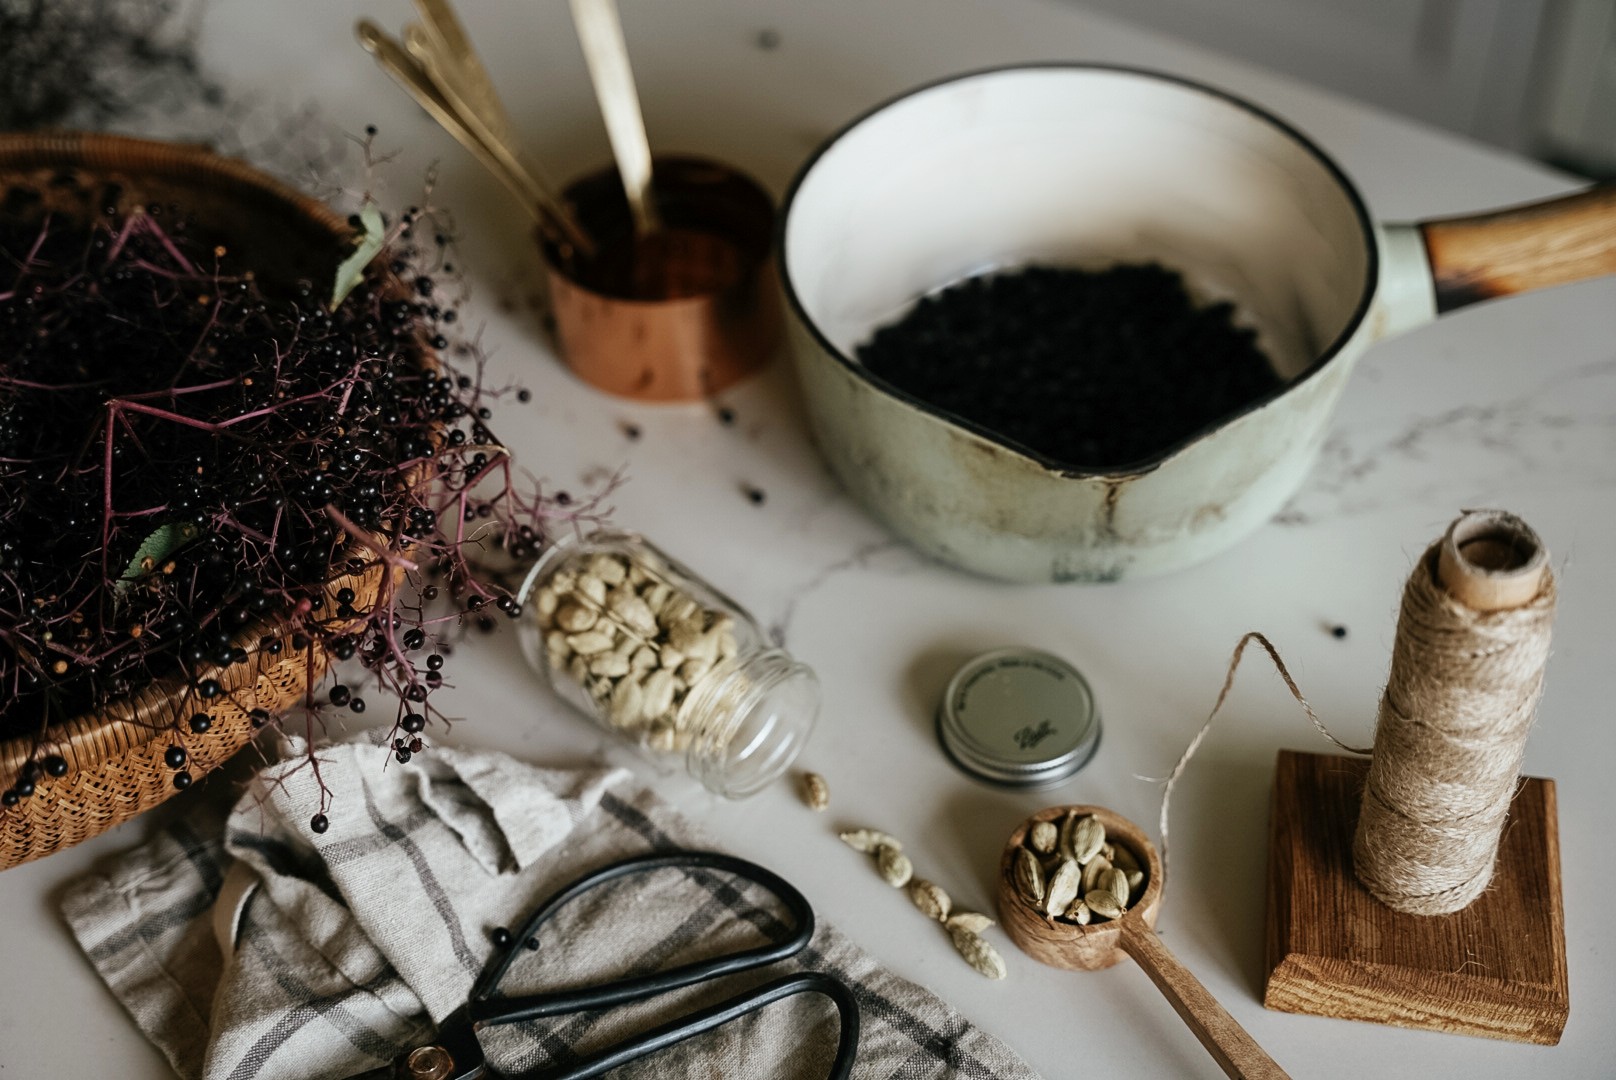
1496,968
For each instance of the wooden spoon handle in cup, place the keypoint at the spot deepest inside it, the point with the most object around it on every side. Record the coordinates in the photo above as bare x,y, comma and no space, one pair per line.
1554,242
1236,1052
600,33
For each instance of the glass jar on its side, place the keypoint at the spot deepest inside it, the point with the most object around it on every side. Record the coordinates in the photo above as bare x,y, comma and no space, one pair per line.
649,649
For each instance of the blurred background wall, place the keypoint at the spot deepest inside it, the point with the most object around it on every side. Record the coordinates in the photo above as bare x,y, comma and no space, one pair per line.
1535,76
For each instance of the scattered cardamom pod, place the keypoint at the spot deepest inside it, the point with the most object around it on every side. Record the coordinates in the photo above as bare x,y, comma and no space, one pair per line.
930,898
969,921
964,927
894,865
1078,913
978,953
868,840
815,791
1029,876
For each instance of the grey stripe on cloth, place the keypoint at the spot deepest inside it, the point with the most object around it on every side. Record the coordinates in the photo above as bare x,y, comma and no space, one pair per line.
429,884
356,941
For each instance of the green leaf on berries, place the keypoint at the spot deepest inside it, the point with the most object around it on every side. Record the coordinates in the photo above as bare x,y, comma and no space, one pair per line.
155,550
352,270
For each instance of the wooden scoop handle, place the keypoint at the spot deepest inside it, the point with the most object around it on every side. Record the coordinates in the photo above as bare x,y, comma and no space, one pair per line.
1236,1052
1507,251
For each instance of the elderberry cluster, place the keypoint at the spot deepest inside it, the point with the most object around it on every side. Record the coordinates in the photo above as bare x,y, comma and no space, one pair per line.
191,456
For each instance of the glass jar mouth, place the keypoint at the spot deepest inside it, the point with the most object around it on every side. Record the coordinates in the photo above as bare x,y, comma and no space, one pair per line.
752,718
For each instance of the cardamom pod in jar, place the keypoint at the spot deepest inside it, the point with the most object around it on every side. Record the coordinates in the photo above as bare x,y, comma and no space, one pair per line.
646,647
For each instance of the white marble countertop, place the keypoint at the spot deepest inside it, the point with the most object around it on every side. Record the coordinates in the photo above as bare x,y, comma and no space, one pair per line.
1511,404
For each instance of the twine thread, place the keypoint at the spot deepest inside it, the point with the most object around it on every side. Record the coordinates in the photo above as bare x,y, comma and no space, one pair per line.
1172,778
1459,702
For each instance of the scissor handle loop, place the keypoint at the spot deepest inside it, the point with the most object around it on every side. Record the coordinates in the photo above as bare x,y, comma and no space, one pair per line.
713,1016
487,1009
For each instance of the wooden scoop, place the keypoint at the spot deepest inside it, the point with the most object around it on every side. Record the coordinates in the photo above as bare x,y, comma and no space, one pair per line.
1101,944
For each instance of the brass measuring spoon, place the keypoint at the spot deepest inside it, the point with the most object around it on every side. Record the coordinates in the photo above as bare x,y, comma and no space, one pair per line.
453,50
1097,945
473,133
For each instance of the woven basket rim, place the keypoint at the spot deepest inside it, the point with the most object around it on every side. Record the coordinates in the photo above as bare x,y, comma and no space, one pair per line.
93,738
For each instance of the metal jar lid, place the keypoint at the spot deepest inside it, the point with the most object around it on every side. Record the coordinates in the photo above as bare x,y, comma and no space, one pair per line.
1020,717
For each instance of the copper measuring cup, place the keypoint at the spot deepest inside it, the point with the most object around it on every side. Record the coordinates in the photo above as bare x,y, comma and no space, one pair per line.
1101,945
678,314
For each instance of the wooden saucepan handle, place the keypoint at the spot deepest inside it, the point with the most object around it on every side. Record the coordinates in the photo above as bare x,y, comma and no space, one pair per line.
1507,251
1235,1051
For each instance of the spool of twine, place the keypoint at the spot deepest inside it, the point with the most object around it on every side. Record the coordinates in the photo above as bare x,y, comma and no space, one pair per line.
1466,675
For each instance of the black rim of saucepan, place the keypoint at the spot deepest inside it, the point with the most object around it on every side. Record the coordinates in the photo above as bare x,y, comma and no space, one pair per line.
1365,223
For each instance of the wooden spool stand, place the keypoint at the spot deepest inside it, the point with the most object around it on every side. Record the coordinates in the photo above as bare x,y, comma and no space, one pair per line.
1496,968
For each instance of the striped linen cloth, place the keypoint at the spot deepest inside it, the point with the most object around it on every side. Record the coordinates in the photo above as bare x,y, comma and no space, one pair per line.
254,947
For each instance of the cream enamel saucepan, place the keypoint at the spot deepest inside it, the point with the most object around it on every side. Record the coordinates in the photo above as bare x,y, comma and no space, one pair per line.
1085,165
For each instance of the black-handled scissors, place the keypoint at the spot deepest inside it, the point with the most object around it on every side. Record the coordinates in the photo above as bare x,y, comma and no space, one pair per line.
456,1054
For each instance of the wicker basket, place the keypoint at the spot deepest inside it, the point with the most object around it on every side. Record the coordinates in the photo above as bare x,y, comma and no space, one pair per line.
115,758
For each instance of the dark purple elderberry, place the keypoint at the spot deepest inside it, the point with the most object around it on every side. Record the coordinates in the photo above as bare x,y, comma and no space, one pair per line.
182,780
273,503
175,757
319,823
